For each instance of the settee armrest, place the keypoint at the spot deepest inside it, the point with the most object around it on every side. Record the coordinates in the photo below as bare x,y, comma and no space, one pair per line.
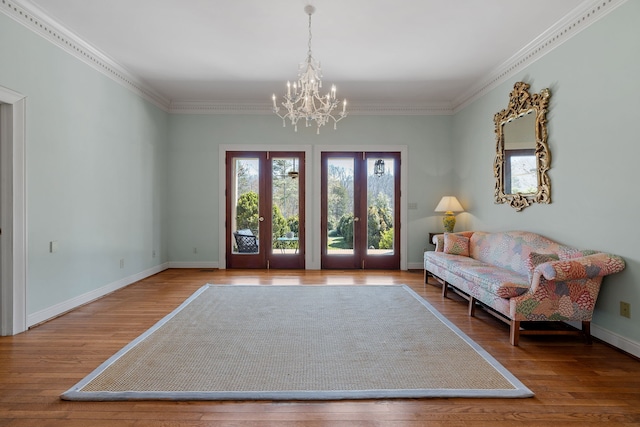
565,290
586,267
438,240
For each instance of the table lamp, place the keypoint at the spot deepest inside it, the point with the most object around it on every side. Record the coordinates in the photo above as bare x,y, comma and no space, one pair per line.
449,205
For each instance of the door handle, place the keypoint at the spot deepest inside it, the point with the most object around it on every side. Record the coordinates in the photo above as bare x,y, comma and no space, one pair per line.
356,219
261,219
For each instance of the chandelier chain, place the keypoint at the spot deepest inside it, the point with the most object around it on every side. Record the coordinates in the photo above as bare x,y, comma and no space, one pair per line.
310,36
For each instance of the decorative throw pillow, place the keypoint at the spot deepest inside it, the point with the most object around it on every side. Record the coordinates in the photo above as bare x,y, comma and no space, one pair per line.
456,244
535,259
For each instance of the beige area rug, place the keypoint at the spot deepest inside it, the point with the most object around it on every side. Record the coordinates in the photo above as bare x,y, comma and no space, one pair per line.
300,343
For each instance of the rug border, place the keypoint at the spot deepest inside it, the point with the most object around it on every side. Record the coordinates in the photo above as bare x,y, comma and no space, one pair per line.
519,390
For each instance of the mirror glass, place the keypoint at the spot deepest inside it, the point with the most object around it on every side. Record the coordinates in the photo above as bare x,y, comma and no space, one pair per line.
520,166
522,154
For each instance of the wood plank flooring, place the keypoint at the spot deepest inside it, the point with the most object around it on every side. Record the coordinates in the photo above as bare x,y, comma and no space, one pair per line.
575,384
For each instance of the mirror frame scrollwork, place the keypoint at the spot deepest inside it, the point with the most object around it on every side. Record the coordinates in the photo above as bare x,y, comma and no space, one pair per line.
521,102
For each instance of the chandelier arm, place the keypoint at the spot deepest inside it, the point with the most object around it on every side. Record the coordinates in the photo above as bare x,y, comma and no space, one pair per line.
306,102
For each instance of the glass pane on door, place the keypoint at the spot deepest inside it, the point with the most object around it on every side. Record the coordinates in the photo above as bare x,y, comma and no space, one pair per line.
380,206
245,207
285,202
340,206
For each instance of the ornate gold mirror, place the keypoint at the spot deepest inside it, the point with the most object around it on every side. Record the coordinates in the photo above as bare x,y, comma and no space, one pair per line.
522,154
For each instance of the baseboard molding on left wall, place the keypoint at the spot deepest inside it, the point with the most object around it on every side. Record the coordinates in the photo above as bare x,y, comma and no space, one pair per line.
66,306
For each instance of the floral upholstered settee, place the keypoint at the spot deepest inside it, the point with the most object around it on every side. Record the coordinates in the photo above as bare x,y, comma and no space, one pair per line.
521,277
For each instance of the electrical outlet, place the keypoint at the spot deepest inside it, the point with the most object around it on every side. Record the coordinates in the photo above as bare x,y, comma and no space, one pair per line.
122,263
625,309
195,250
153,253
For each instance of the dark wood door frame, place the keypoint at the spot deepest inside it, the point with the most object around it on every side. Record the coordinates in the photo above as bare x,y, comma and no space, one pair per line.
266,257
312,191
361,259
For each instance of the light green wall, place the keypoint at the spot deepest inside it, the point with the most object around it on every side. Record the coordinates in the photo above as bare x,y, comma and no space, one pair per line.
194,173
111,176
96,171
593,139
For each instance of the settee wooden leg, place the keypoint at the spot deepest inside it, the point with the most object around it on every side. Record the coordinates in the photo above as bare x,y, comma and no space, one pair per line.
444,289
472,306
586,331
515,332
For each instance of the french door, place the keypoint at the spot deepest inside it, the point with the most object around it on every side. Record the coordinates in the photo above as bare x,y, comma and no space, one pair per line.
360,202
265,209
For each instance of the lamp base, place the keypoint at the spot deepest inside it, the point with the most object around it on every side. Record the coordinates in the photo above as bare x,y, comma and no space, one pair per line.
449,221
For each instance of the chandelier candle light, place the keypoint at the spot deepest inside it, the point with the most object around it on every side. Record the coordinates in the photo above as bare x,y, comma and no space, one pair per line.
303,100
449,205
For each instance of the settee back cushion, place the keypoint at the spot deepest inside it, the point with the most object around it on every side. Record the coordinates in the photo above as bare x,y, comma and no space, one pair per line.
511,249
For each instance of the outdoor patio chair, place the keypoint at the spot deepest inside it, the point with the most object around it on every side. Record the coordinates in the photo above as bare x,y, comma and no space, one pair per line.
246,241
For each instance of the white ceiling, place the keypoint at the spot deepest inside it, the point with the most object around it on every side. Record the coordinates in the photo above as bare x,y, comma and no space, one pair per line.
377,52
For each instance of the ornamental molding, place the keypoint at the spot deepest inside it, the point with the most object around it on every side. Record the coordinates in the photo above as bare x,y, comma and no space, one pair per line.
29,15
579,19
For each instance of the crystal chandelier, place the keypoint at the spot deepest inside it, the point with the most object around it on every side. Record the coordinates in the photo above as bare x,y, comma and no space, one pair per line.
303,101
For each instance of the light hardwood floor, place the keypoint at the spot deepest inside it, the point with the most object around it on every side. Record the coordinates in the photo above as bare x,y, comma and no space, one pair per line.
575,384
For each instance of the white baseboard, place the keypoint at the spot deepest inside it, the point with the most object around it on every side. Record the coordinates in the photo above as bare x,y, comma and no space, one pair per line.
65,306
618,341
415,265
195,264
611,338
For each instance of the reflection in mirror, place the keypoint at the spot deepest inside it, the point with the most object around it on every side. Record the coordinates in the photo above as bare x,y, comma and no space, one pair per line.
520,172
522,154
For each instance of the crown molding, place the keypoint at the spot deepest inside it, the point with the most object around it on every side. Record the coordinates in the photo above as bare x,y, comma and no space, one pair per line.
215,107
401,110
579,19
32,17
29,15
212,107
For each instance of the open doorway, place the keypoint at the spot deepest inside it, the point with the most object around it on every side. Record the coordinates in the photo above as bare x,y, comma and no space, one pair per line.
13,236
